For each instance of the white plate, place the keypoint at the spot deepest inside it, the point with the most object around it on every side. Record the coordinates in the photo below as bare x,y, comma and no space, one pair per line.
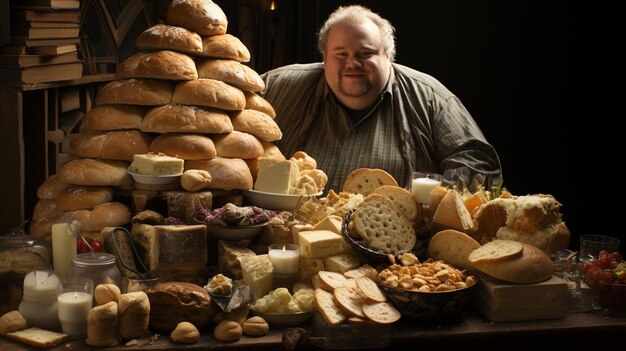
284,319
274,201
155,179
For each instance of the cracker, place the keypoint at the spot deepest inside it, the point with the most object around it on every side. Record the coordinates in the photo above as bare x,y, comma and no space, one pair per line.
386,228
365,180
381,312
402,198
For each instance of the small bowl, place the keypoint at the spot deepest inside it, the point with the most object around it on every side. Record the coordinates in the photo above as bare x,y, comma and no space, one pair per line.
274,201
155,179
284,319
235,232
608,297
438,306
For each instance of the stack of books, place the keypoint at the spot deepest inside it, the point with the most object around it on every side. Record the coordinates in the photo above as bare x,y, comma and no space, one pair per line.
44,42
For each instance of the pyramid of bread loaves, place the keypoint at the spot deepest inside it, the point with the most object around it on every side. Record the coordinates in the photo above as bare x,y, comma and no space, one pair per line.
186,94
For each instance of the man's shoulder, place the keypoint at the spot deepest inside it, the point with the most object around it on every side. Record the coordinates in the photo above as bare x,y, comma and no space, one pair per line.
406,75
297,69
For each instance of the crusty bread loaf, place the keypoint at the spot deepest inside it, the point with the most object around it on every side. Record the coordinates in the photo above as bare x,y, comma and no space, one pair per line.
77,197
225,46
532,266
184,145
226,173
452,246
209,92
134,313
185,333
231,72
238,145
105,293
452,214
402,198
175,302
12,321
172,118
326,306
51,188
256,102
195,180
43,227
132,91
88,171
165,37
201,16
103,326
256,123
365,180
163,64
38,337
110,214
111,145
383,226
495,251
113,117
46,208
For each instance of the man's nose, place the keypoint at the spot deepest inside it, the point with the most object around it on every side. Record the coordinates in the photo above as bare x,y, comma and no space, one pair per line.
353,61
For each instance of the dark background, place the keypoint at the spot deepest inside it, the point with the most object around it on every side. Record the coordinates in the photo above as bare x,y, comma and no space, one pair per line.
541,78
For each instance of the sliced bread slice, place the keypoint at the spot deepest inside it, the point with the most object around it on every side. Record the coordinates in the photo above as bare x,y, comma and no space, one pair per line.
496,251
452,246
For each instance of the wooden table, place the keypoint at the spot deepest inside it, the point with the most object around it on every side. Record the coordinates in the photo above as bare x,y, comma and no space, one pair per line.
574,332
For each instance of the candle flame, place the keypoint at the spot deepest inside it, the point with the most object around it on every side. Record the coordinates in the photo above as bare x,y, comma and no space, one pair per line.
272,6
284,248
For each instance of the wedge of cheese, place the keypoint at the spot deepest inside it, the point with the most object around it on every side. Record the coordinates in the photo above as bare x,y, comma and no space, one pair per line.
341,263
309,266
319,243
258,273
156,164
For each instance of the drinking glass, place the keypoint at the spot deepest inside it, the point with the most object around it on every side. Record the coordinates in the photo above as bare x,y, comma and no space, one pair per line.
422,183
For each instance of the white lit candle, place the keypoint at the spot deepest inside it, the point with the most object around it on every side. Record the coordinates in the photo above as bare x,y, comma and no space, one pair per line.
63,248
39,300
284,258
73,309
421,188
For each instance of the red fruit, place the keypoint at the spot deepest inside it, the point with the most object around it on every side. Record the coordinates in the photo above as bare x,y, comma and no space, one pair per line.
96,245
82,247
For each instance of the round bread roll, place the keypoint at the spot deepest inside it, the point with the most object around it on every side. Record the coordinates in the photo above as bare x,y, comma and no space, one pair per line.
51,188
185,333
111,145
238,145
304,161
164,64
201,16
256,102
88,171
134,314
185,146
532,266
231,72
173,118
226,173
211,93
255,326
104,293
256,123
165,37
12,321
148,92
110,214
195,180
46,208
225,46
113,117
228,331
77,197
102,326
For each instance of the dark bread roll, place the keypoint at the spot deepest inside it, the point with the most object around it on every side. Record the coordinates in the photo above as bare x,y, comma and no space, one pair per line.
256,123
113,117
231,72
111,145
133,91
164,64
182,118
256,102
175,302
225,46
201,16
165,37
209,92
185,146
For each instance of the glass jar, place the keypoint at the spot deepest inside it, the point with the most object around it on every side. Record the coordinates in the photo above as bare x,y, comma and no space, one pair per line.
18,255
97,266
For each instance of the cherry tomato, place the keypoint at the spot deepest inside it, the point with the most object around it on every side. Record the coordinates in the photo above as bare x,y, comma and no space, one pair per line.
82,247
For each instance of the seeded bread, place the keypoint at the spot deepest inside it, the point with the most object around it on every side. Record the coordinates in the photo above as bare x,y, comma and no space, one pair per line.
325,303
452,246
365,180
402,198
383,226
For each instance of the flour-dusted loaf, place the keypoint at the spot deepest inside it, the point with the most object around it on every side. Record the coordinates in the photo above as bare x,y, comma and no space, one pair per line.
51,188
201,16
231,72
226,173
171,118
163,64
111,145
109,214
149,92
78,197
88,171
238,145
383,226
256,123
210,93
165,37
113,117
365,180
225,46
186,146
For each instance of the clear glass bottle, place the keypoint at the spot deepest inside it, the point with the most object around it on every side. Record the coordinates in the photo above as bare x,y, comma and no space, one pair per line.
97,266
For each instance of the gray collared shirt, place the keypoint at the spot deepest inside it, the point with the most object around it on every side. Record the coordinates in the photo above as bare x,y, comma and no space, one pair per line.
417,124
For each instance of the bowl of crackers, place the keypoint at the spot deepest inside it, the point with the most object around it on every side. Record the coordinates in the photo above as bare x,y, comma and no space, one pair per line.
429,290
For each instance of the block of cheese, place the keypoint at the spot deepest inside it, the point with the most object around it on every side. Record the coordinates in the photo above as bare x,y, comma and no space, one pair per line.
309,266
295,232
228,254
319,243
276,175
156,164
341,263
184,204
505,302
332,223
257,273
